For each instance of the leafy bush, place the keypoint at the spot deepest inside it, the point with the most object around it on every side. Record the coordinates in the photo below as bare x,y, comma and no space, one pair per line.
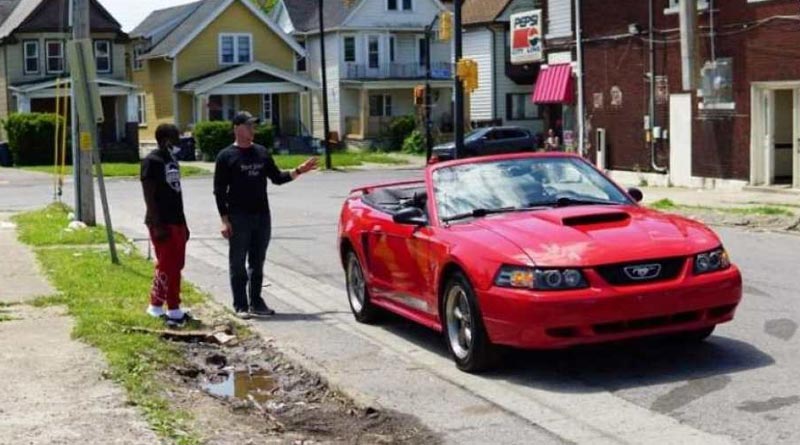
213,137
401,128
414,143
31,137
265,136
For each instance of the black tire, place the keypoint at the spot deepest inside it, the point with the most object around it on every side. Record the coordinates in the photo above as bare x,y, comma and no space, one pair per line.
696,336
357,291
465,335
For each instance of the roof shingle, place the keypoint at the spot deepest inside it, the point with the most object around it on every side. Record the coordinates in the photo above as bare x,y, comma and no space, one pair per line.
476,12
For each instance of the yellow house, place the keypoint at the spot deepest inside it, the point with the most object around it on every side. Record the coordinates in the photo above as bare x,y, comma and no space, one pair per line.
208,59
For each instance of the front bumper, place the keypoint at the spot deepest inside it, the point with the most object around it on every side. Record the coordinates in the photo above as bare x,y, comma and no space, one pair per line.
601,313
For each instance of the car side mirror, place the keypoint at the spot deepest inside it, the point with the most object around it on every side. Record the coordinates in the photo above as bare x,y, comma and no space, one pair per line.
636,194
412,216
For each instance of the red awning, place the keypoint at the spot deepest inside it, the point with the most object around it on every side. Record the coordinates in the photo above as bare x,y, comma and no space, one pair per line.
554,85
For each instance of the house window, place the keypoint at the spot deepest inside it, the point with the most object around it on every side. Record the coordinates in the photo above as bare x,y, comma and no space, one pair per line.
350,49
235,49
141,104
31,49
423,51
301,60
55,56
102,55
373,46
519,107
267,108
138,50
392,45
380,105
674,6
395,5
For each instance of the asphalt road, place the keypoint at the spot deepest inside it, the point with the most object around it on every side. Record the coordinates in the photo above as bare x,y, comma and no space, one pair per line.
739,387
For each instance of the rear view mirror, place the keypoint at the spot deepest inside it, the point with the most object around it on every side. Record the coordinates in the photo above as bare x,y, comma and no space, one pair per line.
636,194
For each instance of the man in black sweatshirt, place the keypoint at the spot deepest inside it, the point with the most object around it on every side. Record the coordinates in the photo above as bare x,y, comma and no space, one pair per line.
240,188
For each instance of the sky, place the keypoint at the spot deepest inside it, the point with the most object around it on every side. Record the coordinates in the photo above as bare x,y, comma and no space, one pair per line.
130,13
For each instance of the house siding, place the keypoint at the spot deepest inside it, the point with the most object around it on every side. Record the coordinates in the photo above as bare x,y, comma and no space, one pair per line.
201,56
332,51
373,14
559,18
478,47
4,93
156,82
506,86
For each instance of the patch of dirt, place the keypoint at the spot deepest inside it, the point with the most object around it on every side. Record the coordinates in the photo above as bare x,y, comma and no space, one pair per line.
296,407
755,222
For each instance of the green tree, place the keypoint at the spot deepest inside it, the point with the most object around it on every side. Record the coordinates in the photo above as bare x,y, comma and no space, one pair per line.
265,5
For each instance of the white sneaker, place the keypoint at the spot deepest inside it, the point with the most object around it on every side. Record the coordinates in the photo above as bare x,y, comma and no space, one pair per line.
156,311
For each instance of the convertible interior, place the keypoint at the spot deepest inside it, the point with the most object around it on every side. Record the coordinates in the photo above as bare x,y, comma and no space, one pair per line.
392,200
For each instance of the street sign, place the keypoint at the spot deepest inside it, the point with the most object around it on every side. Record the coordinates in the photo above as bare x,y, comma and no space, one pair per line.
526,37
84,73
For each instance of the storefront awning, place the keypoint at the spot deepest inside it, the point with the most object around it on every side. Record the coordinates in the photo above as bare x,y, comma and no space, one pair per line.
554,85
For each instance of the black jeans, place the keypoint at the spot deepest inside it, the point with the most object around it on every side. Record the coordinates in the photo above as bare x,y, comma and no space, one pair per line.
248,243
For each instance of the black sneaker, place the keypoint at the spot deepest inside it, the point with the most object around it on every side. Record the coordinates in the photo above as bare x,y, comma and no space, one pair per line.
242,314
178,322
262,312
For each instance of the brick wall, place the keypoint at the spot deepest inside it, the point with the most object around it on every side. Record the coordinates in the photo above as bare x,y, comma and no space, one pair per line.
762,51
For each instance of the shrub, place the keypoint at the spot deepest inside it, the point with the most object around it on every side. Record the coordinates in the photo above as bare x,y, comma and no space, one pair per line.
399,129
31,138
414,143
265,136
213,137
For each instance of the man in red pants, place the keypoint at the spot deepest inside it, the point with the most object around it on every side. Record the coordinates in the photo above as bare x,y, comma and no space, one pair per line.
166,222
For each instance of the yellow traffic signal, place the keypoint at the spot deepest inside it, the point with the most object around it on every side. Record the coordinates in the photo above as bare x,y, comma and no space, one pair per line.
446,25
467,71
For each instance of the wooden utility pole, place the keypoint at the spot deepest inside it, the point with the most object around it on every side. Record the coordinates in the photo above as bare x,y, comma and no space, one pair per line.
324,67
458,113
89,114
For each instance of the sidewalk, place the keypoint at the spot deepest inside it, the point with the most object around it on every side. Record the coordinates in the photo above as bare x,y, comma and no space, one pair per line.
721,198
54,391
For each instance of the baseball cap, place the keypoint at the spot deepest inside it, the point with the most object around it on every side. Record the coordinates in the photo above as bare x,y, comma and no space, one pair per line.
243,117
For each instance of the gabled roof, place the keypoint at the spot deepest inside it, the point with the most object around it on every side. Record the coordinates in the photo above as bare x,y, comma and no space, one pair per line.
22,15
477,12
305,13
207,82
182,25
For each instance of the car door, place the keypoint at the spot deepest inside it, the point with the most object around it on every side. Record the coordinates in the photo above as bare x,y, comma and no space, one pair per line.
399,264
516,141
494,142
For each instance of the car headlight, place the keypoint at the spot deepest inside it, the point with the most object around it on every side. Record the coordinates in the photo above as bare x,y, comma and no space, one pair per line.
540,279
712,261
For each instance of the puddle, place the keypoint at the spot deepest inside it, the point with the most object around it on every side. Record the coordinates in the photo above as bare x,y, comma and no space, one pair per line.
241,384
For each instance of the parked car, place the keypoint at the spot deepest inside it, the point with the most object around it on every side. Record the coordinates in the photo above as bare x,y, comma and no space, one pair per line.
534,250
488,141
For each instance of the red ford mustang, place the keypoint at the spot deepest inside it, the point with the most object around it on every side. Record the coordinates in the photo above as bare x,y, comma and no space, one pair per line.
530,251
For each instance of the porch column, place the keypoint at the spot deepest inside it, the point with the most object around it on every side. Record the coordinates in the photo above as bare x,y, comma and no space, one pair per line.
200,105
132,121
364,113
23,104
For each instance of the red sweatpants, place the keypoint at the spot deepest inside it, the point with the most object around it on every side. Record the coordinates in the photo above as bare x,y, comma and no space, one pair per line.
170,258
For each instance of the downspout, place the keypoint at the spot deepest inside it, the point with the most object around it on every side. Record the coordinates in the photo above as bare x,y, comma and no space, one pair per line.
581,112
652,104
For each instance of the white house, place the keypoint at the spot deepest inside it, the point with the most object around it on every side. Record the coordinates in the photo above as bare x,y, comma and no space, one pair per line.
375,51
504,94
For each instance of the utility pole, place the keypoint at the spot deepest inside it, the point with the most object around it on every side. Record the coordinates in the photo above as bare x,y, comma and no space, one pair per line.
324,67
459,87
82,154
581,112
428,105
89,114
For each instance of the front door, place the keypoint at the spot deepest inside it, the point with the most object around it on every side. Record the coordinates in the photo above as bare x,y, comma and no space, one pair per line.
374,56
108,129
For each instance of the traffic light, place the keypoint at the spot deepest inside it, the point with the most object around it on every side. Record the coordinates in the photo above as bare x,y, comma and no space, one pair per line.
446,25
467,71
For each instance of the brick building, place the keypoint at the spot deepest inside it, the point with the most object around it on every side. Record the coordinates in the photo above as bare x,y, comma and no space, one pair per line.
741,125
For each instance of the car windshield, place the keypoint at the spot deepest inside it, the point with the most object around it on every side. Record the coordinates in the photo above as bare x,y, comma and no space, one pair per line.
483,188
474,135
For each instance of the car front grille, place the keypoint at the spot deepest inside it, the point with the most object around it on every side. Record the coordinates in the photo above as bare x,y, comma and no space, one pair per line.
642,272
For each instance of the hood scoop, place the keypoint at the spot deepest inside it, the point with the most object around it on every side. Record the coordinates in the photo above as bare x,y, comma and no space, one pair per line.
595,218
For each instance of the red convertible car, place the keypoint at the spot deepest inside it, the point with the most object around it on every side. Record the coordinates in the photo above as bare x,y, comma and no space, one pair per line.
530,251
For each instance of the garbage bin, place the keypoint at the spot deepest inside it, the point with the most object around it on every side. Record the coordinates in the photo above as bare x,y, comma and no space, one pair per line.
187,149
5,155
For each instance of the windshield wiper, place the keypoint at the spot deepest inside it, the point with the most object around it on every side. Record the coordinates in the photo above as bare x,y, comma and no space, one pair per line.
566,201
477,213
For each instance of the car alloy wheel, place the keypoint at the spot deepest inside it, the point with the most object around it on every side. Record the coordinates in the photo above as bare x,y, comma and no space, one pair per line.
459,322
357,292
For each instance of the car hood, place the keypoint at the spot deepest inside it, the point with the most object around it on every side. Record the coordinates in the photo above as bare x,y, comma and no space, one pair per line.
444,147
595,235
